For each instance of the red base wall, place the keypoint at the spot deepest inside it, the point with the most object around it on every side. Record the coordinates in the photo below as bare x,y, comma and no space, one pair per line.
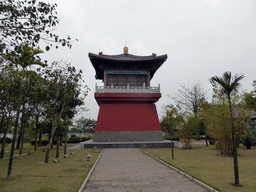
127,117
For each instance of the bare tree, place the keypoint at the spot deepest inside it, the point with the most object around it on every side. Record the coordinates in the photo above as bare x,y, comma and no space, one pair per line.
190,98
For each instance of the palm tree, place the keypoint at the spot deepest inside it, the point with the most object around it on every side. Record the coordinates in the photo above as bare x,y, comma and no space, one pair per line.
24,57
228,85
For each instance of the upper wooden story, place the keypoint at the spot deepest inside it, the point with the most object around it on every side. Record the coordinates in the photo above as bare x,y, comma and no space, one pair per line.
125,70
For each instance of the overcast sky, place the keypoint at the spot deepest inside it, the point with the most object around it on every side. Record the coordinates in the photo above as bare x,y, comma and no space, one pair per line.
202,38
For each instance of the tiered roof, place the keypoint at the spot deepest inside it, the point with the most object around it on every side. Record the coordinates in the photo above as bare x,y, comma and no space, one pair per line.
125,61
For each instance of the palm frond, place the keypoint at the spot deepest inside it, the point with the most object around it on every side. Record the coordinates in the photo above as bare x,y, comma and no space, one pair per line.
228,83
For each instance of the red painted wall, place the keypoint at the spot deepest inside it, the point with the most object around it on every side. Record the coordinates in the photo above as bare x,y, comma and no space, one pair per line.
127,117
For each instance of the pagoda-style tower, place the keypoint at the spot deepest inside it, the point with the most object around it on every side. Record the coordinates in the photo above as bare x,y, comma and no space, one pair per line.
127,110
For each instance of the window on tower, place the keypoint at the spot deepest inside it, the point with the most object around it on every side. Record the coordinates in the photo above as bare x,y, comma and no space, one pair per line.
123,80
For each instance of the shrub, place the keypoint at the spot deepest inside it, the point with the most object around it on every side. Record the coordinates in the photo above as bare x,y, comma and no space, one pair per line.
83,139
45,142
212,142
175,138
247,140
78,139
73,140
7,140
211,139
195,137
32,141
54,142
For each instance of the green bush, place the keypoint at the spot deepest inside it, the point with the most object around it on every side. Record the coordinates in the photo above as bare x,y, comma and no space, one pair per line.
195,137
54,142
73,139
45,142
32,141
247,140
78,139
175,138
83,139
212,142
7,140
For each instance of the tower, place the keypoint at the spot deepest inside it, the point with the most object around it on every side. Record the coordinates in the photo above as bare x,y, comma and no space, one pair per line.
127,101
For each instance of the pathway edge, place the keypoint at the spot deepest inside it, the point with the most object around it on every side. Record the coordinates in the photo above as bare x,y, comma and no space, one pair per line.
89,174
182,173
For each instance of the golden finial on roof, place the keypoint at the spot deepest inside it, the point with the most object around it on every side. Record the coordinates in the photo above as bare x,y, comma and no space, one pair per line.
125,50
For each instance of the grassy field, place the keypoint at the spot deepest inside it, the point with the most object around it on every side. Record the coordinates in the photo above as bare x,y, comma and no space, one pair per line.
29,173
205,164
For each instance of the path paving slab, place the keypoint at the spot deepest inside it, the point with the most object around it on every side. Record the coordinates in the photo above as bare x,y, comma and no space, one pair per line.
130,170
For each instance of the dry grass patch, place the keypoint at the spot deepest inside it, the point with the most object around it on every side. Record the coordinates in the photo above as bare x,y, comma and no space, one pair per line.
205,164
29,173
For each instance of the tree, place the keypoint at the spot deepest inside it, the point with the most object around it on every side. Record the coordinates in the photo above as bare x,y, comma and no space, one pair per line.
229,84
66,123
191,123
28,21
85,125
250,100
190,99
36,94
171,123
9,84
8,89
24,57
62,87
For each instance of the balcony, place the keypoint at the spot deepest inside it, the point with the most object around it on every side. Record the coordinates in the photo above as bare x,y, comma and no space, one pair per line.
127,89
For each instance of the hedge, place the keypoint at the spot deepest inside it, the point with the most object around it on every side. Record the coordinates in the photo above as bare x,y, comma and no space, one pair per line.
44,142
78,139
175,138
70,140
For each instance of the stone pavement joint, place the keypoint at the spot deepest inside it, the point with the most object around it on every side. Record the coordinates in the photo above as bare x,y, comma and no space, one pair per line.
129,169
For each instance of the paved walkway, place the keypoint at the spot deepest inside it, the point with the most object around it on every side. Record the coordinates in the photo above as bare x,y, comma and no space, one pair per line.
131,170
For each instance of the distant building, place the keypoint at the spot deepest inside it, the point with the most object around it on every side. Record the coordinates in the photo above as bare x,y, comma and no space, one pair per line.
127,110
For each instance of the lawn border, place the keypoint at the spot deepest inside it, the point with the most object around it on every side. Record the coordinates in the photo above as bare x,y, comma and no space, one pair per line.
204,185
89,174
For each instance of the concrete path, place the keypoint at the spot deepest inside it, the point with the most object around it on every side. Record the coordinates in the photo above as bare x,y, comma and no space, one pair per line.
131,170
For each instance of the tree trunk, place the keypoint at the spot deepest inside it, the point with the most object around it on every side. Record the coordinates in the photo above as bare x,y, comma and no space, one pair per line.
57,146
51,140
237,183
15,128
61,139
54,136
4,138
66,138
13,142
172,146
22,126
19,138
2,122
36,134
40,139
22,139
49,148
206,139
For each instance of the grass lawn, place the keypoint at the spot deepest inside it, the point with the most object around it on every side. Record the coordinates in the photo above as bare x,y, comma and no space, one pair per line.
30,173
205,164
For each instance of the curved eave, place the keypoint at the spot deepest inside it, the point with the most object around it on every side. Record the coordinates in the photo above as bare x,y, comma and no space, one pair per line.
102,62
